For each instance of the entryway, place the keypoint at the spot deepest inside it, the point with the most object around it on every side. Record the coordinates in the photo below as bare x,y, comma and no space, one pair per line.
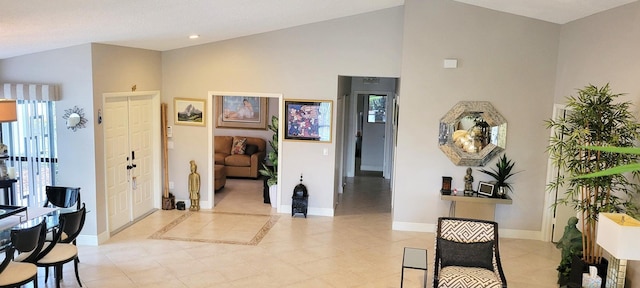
370,121
132,158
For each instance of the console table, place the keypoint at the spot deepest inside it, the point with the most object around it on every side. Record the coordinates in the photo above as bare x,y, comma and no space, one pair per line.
474,207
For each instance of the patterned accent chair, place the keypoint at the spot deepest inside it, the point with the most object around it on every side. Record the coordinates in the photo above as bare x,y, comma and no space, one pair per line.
467,254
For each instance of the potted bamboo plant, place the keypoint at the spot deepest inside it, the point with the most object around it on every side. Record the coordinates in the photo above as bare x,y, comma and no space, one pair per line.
501,173
595,118
271,172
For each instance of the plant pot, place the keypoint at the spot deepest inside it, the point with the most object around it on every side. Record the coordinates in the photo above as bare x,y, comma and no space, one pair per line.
273,195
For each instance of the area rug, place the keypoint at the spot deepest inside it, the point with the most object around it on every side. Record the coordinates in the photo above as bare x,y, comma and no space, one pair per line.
218,227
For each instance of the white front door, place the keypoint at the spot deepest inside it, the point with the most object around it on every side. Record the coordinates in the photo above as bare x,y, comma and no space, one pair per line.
140,136
129,158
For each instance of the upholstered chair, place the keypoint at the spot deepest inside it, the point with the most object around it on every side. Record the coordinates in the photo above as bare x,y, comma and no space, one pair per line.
467,254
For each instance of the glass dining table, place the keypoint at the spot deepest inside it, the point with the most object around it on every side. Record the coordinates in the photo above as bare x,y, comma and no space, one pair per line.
25,218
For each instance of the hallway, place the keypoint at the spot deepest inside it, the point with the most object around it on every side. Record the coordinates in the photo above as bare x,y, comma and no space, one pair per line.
368,193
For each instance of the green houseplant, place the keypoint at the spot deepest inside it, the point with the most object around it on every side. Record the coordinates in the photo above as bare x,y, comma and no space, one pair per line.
272,172
595,118
501,173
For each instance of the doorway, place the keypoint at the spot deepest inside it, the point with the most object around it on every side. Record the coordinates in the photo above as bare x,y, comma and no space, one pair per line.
211,122
132,158
368,146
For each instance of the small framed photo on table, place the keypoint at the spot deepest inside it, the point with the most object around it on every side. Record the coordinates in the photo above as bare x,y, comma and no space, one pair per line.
485,189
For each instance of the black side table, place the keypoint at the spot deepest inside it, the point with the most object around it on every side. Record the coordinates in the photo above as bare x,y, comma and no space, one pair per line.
7,186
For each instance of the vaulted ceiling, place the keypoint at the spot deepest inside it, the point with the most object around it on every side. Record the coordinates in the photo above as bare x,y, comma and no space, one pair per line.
39,25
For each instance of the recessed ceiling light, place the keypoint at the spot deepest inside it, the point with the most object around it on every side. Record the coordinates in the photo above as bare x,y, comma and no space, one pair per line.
194,36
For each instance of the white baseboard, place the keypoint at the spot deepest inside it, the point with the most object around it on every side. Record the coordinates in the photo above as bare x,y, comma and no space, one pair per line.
431,228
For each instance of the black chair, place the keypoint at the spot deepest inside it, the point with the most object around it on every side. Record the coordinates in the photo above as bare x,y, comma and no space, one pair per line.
28,242
63,197
56,253
467,254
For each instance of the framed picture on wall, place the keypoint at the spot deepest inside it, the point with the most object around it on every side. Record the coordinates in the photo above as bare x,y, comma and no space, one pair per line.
241,111
189,111
308,120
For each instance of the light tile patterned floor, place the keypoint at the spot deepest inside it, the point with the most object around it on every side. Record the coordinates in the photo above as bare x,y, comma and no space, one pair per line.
357,248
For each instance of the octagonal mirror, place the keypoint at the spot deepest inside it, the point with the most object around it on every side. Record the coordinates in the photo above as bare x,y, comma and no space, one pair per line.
472,133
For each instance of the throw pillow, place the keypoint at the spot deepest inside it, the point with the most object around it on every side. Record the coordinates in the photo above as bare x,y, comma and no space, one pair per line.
477,254
250,149
239,145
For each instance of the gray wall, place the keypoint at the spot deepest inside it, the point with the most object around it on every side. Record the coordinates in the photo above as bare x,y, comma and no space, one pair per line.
601,49
301,63
502,58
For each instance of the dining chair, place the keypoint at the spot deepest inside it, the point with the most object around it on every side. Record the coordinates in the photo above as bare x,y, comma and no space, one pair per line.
63,197
467,254
56,253
20,270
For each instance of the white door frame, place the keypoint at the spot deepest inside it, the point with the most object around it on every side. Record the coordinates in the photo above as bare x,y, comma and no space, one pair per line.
211,126
548,218
157,153
352,127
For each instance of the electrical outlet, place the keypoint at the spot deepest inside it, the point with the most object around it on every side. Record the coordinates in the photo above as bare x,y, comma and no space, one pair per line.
171,185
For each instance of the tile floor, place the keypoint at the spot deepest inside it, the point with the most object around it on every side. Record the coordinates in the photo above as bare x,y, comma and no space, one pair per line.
356,248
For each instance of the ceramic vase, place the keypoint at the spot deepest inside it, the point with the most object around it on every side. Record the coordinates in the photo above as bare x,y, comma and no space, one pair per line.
273,195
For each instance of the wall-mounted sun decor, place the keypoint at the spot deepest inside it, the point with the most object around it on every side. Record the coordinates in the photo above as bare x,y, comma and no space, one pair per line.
75,118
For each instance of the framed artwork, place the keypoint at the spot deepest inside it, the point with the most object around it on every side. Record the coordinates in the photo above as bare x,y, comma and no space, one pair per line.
308,120
188,111
377,108
485,189
244,112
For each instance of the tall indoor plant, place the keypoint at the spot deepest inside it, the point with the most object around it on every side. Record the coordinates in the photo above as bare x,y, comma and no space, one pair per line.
271,172
594,118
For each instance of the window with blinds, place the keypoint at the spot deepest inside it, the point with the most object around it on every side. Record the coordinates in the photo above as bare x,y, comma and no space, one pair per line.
32,150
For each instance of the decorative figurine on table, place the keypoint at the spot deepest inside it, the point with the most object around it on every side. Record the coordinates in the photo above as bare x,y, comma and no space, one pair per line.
468,182
194,187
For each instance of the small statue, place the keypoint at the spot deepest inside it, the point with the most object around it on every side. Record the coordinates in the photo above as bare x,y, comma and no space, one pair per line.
571,244
468,182
194,187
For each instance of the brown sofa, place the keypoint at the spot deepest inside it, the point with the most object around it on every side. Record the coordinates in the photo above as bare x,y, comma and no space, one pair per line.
239,165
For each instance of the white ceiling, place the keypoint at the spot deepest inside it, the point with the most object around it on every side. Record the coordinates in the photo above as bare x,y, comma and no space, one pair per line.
39,25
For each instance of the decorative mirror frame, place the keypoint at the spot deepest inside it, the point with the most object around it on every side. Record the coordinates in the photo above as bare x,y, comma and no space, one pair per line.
448,125
74,112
